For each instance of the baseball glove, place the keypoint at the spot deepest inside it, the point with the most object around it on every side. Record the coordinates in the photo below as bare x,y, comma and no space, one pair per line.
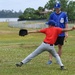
23,32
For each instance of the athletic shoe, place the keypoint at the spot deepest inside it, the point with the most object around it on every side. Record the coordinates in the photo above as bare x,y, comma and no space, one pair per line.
19,64
49,62
62,68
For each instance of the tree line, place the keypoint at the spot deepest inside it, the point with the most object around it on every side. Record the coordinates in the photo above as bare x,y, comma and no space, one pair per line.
66,5
31,14
10,14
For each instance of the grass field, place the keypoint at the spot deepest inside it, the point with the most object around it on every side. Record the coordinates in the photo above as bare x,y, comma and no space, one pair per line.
14,48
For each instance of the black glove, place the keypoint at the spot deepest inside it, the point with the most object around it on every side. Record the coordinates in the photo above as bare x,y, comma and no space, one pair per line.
23,32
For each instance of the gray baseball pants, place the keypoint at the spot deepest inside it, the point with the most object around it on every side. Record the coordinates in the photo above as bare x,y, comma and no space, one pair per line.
43,47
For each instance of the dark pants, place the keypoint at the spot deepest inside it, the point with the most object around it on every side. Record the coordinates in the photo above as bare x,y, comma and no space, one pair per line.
60,40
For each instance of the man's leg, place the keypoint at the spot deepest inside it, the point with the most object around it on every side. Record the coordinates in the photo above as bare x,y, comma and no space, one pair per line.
58,59
59,53
60,50
50,59
39,50
60,43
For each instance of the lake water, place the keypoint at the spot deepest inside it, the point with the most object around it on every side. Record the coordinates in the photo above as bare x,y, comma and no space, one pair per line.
8,19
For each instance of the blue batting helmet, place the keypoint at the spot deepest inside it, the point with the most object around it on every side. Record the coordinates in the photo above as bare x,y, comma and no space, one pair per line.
51,22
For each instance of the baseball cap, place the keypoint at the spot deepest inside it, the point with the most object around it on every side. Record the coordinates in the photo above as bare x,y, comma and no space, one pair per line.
57,5
51,22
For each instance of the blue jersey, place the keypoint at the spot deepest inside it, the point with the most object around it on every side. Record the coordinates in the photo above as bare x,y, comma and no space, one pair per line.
61,19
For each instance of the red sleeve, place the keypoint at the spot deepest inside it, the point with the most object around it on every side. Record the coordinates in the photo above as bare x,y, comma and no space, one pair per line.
43,30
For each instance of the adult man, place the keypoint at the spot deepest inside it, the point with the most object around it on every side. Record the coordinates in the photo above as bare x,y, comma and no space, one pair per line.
62,21
47,44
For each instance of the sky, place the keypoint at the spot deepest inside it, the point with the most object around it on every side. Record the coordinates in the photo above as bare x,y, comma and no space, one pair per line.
17,5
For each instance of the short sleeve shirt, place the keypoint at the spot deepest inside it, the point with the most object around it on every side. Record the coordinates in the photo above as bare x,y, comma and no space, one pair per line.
61,19
51,34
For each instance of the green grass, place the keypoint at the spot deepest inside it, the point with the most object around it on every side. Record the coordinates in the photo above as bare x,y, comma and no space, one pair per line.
14,48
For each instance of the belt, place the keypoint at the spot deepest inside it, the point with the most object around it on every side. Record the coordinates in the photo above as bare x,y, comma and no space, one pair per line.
49,44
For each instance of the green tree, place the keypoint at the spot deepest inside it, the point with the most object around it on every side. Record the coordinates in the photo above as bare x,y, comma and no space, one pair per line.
9,14
28,13
66,5
32,14
40,9
50,4
71,10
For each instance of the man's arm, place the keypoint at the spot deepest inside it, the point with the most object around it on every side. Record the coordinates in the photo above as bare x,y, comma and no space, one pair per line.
66,26
68,29
36,31
66,33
